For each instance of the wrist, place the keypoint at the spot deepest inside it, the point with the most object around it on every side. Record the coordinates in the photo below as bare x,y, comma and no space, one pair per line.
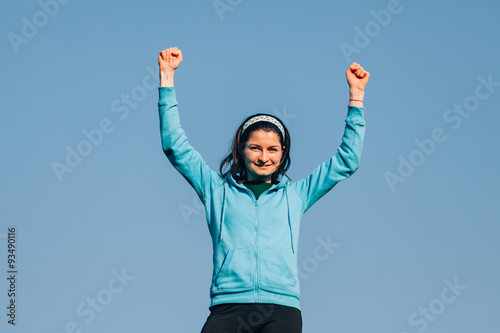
356,97
355,93
167,78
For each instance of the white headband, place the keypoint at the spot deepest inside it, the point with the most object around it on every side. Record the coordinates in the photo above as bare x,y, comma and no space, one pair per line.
264,118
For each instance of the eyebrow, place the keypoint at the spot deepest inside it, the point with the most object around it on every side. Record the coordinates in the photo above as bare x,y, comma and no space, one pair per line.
254,144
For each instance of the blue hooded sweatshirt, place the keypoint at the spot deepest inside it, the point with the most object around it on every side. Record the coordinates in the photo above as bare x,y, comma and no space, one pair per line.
255,241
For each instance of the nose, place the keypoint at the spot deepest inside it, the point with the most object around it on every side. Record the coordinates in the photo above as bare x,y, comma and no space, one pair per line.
263,157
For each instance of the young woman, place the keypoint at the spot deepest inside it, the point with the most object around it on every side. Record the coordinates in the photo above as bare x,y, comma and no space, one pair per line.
253,211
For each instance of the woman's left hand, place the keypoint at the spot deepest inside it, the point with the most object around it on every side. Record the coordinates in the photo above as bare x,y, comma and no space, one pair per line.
357,77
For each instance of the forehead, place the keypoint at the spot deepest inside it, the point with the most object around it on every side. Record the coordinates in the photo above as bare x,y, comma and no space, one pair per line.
264,138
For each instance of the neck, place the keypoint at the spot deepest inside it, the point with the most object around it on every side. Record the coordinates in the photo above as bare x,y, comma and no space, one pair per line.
254,182
258,180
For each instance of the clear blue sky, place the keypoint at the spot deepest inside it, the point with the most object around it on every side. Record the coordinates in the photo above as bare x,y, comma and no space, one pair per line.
110,238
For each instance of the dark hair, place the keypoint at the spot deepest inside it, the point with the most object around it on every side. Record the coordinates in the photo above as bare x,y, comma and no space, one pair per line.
235,159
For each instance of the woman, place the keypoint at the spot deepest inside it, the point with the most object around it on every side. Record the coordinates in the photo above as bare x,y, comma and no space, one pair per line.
253,211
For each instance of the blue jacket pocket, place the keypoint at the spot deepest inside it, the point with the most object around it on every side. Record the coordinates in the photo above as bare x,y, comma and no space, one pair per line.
275,274
236,272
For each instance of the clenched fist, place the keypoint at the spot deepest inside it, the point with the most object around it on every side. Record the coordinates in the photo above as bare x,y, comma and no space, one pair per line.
169,59
357,77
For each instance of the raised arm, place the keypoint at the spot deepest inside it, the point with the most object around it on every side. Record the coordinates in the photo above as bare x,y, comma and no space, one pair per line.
347,159
176,147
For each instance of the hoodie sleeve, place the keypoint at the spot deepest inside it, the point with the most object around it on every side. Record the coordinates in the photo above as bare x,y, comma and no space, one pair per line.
341,166
176,147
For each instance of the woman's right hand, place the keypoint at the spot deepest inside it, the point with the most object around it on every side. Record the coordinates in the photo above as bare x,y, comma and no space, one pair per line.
169,59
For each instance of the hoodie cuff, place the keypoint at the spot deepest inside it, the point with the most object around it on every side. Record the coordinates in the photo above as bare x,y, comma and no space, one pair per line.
355,114
167,96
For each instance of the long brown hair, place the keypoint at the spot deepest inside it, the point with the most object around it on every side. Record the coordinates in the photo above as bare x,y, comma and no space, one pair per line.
235,161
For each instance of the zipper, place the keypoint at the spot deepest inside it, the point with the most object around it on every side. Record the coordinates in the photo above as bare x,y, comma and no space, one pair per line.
255,276
256,251
256,235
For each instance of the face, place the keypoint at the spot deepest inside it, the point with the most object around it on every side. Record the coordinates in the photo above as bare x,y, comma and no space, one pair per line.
262,154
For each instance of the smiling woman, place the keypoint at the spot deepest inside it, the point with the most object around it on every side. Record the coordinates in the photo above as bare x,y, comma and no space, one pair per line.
253,211
260,150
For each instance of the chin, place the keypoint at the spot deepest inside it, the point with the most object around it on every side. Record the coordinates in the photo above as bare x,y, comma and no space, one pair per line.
264,173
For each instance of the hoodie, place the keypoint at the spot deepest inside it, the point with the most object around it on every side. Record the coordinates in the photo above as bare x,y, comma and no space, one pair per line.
254,241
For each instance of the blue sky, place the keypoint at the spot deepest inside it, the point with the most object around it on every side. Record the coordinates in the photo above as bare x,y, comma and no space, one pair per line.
109,237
